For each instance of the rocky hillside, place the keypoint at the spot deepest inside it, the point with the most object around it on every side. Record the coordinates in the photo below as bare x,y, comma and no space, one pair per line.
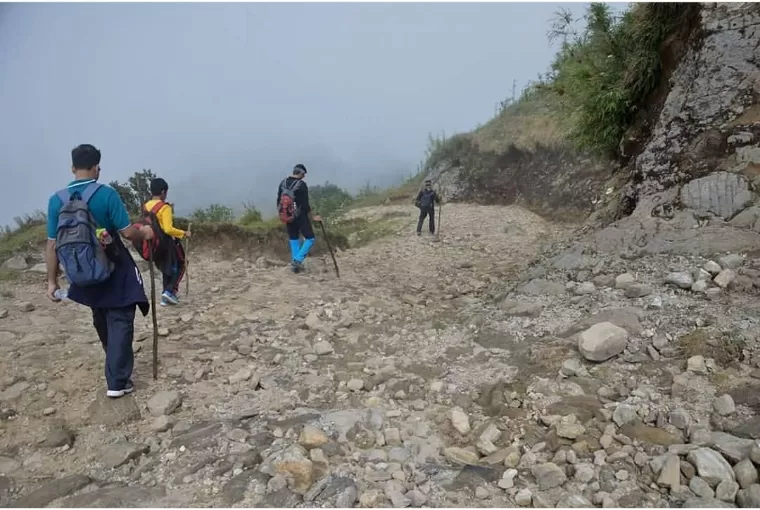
694,146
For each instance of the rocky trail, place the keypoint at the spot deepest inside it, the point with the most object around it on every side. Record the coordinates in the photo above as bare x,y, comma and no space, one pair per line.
491,367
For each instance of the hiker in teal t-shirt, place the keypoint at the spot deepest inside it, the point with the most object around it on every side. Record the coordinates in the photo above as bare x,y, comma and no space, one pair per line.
112,301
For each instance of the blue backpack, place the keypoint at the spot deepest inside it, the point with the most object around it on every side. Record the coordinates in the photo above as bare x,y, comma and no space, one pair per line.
77,247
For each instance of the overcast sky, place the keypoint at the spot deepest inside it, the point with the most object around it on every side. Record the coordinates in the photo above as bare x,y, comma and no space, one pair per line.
223,99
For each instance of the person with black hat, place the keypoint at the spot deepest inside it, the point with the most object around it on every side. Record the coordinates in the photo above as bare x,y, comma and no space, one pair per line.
295,211
426,201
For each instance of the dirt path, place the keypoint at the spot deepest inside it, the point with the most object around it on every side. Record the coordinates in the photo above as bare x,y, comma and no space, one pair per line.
389,325
438,373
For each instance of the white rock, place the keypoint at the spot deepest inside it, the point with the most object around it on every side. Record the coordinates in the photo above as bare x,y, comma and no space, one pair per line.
697,364
585,288
624,280
731,261
624,413
460,421
16,263
724,405
711,466
712,267
602,341
725,278
670,476
164,403
680,279
524,497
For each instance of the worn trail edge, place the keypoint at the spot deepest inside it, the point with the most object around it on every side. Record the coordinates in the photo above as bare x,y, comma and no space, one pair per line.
449,371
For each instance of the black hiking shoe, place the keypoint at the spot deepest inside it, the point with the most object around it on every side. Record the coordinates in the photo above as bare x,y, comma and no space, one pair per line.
295,266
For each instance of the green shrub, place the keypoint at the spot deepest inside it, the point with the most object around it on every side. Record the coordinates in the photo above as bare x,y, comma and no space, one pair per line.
215,213
327,199
251,215
604,73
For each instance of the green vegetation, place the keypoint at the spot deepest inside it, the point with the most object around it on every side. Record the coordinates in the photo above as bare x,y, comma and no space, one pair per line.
28,235
136,191
601,77
214,213
328,199
251,215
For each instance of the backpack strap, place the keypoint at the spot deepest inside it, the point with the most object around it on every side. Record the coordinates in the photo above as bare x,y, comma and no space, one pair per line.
157,207
64,195
89,191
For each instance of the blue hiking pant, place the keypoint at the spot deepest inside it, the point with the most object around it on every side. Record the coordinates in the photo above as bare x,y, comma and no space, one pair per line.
116,330
301,226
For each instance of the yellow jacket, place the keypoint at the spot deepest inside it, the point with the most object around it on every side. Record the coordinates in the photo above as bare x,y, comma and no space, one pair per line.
165,219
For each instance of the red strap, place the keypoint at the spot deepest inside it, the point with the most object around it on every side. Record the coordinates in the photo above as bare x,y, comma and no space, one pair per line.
157,207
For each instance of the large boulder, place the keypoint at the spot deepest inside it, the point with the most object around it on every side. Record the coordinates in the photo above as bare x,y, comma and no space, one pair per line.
15,263
602,341
723,194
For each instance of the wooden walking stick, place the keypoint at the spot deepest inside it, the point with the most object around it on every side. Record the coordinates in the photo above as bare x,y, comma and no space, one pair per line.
153,312
187,260
329,247
440,210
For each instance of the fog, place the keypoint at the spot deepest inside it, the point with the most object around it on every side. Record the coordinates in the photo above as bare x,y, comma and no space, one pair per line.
223,99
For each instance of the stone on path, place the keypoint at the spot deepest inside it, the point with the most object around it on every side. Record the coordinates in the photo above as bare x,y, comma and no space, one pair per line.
164,403
602,341
681,279
711,466
460,421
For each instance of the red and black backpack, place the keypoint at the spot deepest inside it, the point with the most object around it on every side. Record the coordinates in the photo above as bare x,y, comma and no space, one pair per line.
287,208
159,244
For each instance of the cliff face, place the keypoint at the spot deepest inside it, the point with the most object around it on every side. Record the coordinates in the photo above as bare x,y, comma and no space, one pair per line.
709,120
694,186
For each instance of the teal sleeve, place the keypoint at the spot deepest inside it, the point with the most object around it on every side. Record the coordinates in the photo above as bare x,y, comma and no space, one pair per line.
54,207
117,211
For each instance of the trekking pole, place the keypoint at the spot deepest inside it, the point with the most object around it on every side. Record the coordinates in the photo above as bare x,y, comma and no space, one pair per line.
187,259
153,313
440,211
329,247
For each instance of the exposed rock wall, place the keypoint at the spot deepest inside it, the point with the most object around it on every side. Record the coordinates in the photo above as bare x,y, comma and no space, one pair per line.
695,184
709,120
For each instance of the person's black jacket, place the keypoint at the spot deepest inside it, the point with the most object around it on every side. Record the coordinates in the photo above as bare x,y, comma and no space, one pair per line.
301,194
429,196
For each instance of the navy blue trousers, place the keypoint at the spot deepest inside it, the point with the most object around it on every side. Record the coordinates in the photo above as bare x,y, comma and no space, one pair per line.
116,330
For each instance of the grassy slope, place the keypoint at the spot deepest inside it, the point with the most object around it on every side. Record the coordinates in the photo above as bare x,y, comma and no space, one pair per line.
525,123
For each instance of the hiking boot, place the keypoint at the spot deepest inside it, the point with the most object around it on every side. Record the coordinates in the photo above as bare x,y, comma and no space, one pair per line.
120,393
419,233
295,266
169,297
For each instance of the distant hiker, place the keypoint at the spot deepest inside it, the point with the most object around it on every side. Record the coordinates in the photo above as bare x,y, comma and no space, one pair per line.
83,226
426,201
168,252
294,210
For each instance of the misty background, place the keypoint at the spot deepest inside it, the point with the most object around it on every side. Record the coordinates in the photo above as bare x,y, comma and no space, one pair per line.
223,99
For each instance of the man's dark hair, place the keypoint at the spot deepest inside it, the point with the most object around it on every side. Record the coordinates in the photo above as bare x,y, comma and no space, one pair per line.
299,169
85,156
158,186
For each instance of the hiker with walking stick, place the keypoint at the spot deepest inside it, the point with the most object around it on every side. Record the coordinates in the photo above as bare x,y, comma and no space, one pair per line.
295,212
168,253
83,225
426,201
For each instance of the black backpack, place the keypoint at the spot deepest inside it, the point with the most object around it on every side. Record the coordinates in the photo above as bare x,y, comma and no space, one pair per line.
426,200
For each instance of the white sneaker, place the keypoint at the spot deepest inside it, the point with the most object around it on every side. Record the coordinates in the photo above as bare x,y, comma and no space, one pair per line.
120,393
